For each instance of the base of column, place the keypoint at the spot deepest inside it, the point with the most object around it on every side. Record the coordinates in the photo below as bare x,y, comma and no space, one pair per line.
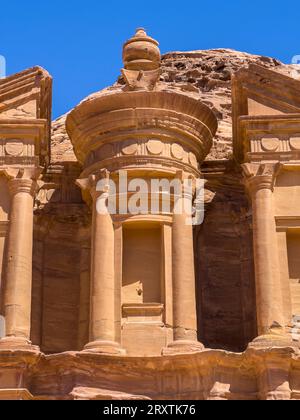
183,347
104,347
17,343
272,340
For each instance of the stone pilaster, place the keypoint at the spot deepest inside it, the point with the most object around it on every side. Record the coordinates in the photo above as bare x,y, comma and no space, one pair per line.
103,293
18,264
260,179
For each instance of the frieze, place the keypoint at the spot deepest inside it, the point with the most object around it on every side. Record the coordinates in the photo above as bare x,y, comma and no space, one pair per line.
152,148
14,147
270,144
17,152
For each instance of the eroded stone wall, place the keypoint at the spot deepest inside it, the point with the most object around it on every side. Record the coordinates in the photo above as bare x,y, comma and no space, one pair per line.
60,263
224,262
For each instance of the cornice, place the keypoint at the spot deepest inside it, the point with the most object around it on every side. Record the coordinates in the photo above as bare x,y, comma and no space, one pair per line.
122,116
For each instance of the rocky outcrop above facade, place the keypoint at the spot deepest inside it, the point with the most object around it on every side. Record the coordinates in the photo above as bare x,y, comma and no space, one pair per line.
61,146
205,75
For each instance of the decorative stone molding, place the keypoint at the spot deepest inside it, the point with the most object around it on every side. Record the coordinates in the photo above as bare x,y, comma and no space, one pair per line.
152,151
295,142
146,310
22,142
271,138
111,121
14,147
270,144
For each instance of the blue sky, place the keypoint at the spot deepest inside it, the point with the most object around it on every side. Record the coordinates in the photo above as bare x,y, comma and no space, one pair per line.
80,42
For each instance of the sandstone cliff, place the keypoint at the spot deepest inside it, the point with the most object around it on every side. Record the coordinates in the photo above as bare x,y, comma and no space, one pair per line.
205,75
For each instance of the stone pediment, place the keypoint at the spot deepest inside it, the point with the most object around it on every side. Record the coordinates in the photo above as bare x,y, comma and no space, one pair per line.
26,95
257,92
25,117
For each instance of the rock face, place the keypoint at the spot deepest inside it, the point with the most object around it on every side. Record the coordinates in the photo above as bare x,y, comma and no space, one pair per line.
207,75
61,146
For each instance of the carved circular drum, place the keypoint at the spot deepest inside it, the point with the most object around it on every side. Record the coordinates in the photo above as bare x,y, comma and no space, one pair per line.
270,144
193,160
14,148
130,148
155,147
295,143
177,151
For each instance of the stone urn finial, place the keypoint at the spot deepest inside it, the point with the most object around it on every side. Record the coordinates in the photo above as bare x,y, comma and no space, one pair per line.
141,52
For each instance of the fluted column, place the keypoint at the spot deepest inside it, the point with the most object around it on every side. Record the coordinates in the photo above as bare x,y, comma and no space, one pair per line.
260,181
184,287
18,264
103,293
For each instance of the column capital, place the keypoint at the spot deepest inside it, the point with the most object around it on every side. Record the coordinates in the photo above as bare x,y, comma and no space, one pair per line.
186,181
259,176
23,180
93,183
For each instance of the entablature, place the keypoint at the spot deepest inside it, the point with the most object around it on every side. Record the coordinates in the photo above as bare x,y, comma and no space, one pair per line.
271,138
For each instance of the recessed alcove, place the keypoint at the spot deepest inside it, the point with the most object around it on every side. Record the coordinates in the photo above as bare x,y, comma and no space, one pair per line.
143,288
142,264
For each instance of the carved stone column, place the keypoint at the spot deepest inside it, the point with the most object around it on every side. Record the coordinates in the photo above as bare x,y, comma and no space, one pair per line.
84,298
260,179
103,293
184,288
18,264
